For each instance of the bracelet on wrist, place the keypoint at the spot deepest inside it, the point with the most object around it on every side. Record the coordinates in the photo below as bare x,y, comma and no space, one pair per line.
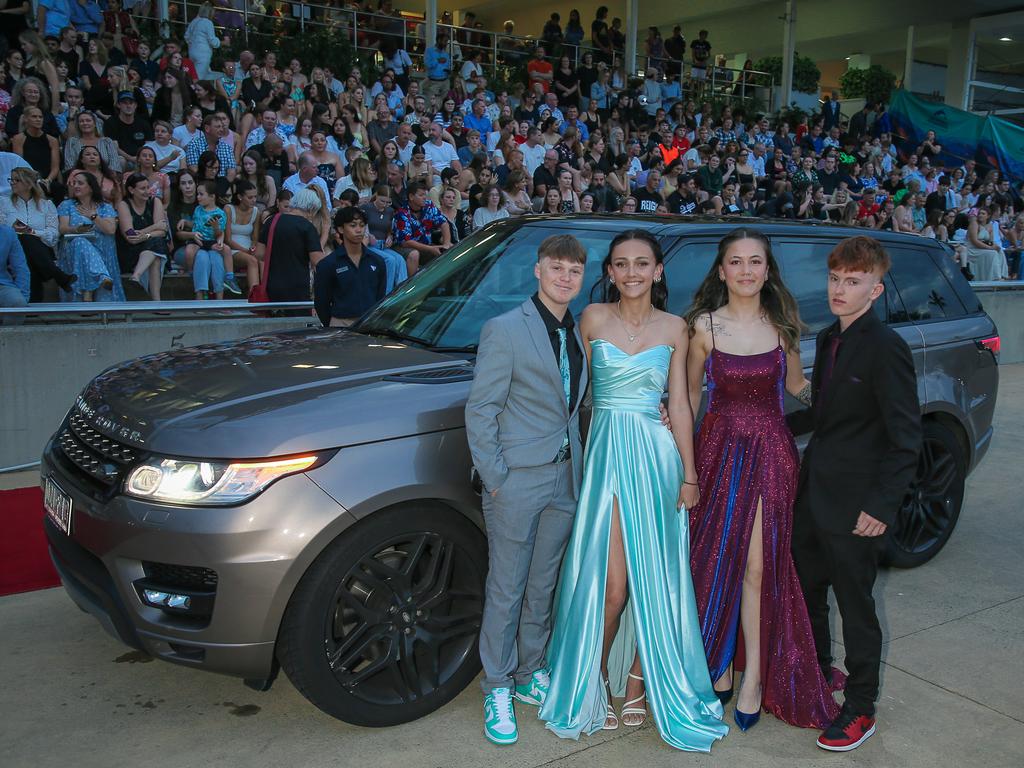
688,483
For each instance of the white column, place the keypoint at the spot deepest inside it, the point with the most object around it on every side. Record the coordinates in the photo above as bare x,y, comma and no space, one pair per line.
632,12
431,23
960,66
162,13
908,65
788,54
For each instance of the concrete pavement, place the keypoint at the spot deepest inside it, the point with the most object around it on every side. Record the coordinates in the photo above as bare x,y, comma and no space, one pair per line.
952,690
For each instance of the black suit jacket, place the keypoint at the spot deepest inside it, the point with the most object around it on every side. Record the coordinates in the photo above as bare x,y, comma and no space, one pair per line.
867,428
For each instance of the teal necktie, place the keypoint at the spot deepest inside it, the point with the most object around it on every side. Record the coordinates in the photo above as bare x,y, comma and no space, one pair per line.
563,368
563,365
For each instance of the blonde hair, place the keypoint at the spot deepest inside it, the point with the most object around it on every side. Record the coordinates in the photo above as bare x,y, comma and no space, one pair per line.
31,178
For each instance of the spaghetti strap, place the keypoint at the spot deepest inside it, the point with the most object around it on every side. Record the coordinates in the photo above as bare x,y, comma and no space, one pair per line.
711,325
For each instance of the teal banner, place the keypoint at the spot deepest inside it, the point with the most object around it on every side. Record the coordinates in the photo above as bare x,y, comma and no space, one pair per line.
991,141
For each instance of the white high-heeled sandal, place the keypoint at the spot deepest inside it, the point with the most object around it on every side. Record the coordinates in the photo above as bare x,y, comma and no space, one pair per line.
629,709
610,715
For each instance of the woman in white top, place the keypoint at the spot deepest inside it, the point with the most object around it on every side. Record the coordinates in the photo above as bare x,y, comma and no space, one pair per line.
169,157
34,217
984,251
202,39
242,232
183,134
362,177
492,209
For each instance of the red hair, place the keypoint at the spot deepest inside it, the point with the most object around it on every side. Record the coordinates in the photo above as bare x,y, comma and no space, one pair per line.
859,254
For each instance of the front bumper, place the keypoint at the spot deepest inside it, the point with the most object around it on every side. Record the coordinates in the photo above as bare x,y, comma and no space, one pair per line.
256,552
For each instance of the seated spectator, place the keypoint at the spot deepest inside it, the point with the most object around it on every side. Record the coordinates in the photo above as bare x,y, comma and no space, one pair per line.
34,218
362,177
415,226
211,139
516,197
352,278
143,229
183,134
30,92
128,129
87,249
295,248
649,196
491,210
208,224
90,161
307,175
159,182
174,98
14,275
41,150
241,234
380,214
170,158
253,171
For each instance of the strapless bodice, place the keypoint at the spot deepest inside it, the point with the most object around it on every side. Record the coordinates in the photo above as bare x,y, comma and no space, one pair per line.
628,382
747,388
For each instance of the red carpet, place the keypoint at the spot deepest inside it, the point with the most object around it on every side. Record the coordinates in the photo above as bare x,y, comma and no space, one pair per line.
24,561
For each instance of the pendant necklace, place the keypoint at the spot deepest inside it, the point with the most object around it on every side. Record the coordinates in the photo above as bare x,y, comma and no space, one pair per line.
633,336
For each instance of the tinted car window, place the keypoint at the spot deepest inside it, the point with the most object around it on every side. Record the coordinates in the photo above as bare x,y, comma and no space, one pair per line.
685,268
484,276
805,272
925,291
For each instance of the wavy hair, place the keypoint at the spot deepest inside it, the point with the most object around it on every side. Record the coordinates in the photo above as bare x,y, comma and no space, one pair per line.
777,302
607,290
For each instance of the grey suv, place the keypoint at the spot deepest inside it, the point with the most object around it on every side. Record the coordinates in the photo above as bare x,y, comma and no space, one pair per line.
303,500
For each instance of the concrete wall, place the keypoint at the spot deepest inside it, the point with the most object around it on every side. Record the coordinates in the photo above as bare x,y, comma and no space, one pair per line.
1006,308
43,368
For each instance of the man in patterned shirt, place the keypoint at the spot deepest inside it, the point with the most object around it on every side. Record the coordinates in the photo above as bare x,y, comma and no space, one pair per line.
414,227
213,129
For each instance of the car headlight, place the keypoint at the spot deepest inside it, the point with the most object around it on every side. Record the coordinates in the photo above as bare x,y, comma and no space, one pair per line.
194,481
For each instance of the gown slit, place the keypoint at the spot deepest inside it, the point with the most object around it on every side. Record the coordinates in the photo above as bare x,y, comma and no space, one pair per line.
746,459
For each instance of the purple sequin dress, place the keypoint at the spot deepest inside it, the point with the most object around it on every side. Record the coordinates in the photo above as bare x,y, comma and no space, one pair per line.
745,452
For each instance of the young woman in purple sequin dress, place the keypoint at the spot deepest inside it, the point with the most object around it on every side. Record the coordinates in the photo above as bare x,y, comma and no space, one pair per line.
745,330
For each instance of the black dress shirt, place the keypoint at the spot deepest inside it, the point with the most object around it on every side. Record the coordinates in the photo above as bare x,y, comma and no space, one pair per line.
571,347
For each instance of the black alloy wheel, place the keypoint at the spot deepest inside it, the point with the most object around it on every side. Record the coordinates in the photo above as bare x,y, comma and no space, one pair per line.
930,509
383,628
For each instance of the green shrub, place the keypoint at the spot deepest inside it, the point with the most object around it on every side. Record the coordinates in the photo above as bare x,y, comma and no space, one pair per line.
805,72
872,84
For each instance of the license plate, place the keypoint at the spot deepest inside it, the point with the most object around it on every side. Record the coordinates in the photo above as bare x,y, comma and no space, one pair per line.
58,505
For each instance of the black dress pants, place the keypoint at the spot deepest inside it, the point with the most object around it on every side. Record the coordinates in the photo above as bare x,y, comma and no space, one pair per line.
41,265
849,565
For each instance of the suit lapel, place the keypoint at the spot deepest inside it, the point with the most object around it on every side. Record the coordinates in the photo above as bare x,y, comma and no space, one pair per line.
581,387
542,344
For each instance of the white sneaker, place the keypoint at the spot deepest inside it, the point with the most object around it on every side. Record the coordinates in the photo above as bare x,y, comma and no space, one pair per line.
500,717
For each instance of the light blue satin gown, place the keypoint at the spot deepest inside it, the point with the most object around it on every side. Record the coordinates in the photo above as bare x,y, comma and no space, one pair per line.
632,457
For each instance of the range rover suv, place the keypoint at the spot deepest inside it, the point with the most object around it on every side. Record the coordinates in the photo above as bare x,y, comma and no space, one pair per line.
304,500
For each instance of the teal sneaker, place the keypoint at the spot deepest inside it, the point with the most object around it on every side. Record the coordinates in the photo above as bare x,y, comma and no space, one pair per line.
500,717
535,691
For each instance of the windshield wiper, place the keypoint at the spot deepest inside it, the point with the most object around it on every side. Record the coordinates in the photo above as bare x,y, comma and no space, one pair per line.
467,348
390,333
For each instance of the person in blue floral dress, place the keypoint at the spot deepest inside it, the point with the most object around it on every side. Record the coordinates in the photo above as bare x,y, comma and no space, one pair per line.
87,248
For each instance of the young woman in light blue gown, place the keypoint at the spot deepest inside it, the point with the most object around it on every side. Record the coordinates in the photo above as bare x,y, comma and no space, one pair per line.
630,541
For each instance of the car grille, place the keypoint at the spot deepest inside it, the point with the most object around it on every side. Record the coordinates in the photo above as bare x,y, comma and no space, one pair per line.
181,576
98,456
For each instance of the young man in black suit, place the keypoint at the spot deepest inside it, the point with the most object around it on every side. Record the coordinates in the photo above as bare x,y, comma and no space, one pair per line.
855,472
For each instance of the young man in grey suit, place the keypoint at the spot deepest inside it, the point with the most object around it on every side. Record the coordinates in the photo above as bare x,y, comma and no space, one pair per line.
522,421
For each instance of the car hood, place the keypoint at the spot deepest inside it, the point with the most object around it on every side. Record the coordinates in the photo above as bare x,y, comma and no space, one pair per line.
278,394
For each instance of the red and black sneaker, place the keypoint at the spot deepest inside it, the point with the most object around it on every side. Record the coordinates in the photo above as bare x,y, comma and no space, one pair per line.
847,732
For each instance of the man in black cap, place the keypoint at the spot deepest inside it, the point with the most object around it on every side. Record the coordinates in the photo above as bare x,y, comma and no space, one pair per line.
128,129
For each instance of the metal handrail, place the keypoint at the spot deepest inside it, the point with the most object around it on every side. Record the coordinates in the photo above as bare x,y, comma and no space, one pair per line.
130,309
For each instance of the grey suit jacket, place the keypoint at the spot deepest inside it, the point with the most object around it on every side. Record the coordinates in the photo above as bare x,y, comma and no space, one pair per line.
516,415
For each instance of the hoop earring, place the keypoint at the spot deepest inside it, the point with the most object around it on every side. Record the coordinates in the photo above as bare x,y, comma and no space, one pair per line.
657,279
611,280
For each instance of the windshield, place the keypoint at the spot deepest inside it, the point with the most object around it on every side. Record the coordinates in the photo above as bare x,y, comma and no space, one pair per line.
447,303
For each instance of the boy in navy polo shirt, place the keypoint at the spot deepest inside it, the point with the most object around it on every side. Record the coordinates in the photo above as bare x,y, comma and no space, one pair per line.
351,279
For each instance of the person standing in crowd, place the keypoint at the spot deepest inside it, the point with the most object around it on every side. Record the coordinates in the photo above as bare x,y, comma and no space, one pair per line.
745,338
700,52
350,279
864,409
295,248
438,63
831,111
15,279
202,40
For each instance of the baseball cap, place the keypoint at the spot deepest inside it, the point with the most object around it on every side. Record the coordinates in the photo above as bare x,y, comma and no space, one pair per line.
126,96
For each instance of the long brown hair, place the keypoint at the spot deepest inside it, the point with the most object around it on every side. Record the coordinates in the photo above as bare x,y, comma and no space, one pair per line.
778,303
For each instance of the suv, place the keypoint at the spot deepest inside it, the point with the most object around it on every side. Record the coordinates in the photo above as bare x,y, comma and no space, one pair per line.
304,499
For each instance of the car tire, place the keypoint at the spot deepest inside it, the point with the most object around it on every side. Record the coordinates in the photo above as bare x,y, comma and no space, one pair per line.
931,508
383,627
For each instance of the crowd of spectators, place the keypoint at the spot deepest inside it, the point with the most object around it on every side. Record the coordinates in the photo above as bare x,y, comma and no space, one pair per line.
137,157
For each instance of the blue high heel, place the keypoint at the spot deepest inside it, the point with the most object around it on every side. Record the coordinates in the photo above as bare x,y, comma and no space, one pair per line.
746,720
